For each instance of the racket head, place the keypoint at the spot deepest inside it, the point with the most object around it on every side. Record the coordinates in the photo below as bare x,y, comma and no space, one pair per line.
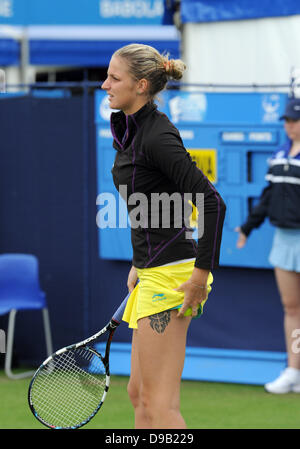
69,388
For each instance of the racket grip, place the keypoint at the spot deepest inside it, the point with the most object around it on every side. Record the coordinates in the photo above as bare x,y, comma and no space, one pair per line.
119,312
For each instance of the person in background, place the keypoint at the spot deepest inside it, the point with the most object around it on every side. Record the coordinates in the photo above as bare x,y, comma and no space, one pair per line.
171,275
280,201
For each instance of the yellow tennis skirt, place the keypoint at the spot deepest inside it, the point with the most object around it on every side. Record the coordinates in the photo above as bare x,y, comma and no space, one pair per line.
155,292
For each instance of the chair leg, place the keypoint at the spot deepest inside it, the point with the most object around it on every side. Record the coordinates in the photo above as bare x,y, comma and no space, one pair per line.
47,329
9,349
10,342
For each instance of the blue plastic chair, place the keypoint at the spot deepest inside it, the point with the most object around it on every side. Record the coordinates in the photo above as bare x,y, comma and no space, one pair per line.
20,290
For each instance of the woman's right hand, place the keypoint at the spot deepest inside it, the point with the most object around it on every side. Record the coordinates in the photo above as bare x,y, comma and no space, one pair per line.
132,279
242,238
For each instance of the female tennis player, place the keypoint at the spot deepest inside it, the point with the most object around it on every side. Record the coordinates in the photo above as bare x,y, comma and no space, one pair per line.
171,275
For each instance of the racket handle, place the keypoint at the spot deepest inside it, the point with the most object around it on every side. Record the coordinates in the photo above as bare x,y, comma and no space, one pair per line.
119,312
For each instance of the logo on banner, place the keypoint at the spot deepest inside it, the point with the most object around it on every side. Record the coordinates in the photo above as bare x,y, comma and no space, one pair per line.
104,109
271,108
188,108
137,9
6,8
206,161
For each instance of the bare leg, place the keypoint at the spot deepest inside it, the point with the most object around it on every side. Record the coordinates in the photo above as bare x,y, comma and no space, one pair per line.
135,386
157,362
289,287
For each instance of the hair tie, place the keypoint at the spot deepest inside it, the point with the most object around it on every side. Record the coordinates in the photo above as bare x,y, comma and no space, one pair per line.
168,65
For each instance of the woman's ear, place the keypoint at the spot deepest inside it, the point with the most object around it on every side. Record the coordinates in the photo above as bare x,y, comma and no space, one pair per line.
142,86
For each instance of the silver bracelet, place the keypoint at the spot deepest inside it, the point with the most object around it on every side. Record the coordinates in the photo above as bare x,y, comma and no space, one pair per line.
196,285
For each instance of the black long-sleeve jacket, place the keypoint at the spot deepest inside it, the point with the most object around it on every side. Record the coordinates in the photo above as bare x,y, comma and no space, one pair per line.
280,200
151,159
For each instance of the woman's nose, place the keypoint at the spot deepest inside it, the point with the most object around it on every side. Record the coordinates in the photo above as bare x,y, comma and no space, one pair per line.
104,85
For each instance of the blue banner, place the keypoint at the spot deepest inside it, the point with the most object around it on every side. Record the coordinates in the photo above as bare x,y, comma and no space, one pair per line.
220,10
81,12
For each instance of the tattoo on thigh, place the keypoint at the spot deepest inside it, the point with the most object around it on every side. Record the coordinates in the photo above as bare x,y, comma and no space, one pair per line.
160,321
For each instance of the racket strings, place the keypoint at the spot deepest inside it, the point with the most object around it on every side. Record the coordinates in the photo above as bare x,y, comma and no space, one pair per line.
69,389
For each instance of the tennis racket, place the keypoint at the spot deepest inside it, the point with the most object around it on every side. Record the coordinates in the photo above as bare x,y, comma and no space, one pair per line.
70,386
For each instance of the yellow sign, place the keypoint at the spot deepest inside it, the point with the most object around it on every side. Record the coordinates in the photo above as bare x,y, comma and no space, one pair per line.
206,161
